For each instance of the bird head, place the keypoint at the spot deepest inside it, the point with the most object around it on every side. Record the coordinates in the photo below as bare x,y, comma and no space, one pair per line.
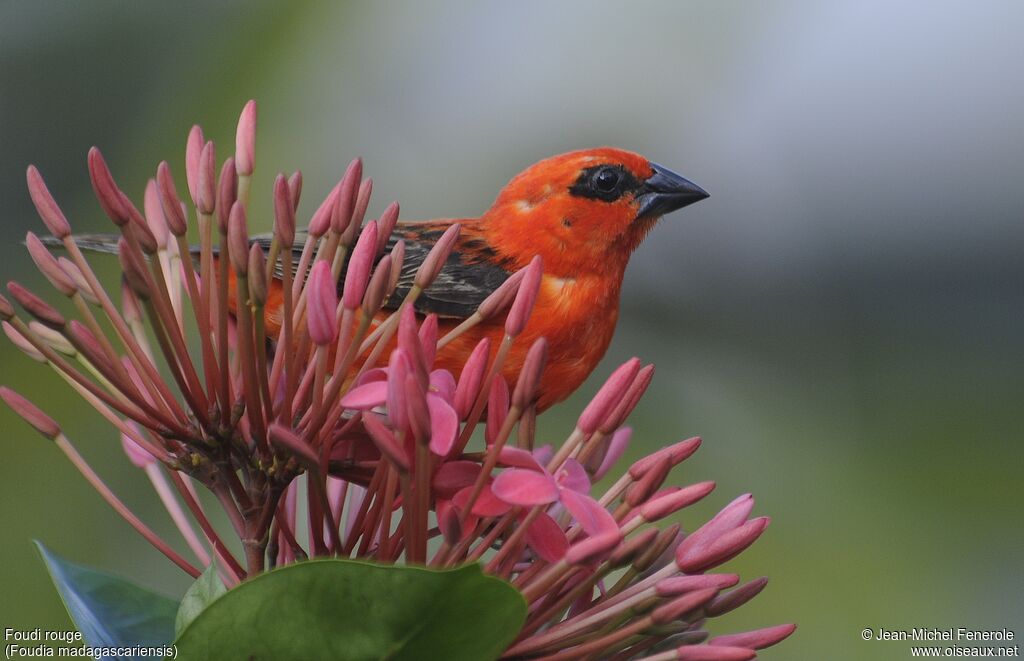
585,211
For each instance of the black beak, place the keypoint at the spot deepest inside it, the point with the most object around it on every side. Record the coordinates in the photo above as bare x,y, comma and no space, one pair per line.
665,191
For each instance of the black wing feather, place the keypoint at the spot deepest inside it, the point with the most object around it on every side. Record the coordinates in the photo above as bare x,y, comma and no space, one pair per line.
468,277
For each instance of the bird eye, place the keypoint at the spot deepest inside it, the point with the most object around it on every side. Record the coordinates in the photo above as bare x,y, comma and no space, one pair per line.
606,179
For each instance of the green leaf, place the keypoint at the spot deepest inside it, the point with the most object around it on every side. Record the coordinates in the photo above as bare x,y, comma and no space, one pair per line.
344,609
198,596
108,610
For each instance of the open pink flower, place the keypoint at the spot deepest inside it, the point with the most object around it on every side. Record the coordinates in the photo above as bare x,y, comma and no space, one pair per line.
385,387
528,484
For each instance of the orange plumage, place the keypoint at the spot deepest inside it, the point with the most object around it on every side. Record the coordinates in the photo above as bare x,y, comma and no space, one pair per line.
584,213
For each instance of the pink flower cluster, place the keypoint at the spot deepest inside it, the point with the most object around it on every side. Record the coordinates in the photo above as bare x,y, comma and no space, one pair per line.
379,444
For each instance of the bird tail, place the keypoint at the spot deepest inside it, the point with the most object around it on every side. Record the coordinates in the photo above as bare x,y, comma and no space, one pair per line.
103,243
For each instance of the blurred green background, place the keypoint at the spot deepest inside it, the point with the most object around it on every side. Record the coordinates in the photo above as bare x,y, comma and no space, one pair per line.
842,321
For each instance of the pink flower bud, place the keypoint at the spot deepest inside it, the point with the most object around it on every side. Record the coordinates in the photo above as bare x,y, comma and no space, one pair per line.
155,213
345,202
376,291
107,192
723,548
130,308
321,219
193,150
497,408
53,339
48,265
397,260
36,306
295,188
651,481
615,449
6,309
29,412
76,276
289,443
257,275
409,342
359,264
174,212
238,239
19,340
387,223
733,599
449,523
529,375
608,396
139,228
46,206
362,201
676,585
245,140
502,297
323,304
437,256
227,193
139,456
207,182
624,554
757,639
629,401
385,441
661,506
593,549
678,607
526,296
428,339
677,453
707,653
472,378
87,344
284,213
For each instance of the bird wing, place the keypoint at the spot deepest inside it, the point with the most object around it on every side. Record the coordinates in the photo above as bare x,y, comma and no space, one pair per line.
471,273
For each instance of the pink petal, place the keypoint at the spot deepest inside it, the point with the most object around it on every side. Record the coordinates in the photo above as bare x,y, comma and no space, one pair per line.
519,458
448,522
617,446
443,383
398,369
366,396
544,454
444,425
525,487
486,504
546,538
454,476
573,476
594,519
376,374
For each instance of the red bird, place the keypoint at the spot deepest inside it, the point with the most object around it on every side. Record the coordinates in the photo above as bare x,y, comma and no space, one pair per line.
584,213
